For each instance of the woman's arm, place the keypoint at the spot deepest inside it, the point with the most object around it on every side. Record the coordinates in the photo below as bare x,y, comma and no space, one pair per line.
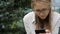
28,19
59,21
26,24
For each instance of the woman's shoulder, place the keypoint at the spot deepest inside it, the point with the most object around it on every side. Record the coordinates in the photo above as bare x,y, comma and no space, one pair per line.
29,17
30,14
56,15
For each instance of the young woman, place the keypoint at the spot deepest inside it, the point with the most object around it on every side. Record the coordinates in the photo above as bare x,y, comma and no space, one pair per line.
42,17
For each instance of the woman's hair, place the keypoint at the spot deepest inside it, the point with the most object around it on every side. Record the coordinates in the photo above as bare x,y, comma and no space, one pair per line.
46,23
34,1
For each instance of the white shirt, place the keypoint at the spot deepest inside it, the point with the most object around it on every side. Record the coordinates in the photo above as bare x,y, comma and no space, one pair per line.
30,26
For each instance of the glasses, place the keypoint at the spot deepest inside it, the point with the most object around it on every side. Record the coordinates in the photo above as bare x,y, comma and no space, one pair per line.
41,11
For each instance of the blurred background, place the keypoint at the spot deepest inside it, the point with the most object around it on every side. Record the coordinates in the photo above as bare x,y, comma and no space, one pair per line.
12,13
56,5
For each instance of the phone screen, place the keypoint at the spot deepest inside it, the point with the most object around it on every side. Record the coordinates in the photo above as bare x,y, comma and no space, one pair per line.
40,31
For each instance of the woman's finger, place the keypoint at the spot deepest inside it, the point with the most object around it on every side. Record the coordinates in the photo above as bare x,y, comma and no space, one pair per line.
48,32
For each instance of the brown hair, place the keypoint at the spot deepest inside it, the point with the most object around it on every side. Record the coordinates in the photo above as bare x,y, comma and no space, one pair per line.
34,1
46,23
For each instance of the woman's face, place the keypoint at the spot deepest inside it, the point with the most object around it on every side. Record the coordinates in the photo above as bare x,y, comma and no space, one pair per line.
41,10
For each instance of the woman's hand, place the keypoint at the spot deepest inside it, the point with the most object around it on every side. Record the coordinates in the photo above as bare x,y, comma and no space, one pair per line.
47,32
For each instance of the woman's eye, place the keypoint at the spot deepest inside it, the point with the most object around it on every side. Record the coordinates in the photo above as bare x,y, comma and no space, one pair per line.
43,9
38,10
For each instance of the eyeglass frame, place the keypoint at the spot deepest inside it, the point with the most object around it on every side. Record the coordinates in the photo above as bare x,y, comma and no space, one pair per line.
42,11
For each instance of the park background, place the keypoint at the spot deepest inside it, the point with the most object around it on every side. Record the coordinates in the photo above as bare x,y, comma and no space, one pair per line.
12,13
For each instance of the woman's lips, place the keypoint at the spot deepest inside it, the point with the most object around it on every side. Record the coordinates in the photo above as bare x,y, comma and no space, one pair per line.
42,16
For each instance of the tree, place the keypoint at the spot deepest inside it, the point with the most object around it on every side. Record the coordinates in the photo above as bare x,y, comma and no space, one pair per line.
11,14
25,3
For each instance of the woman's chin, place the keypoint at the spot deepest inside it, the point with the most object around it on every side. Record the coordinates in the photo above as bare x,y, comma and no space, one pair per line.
42,18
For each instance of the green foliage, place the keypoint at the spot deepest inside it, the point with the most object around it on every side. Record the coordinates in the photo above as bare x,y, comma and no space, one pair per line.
11,15
25,3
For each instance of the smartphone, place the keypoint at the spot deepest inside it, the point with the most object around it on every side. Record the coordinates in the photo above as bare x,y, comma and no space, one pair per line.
40,31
